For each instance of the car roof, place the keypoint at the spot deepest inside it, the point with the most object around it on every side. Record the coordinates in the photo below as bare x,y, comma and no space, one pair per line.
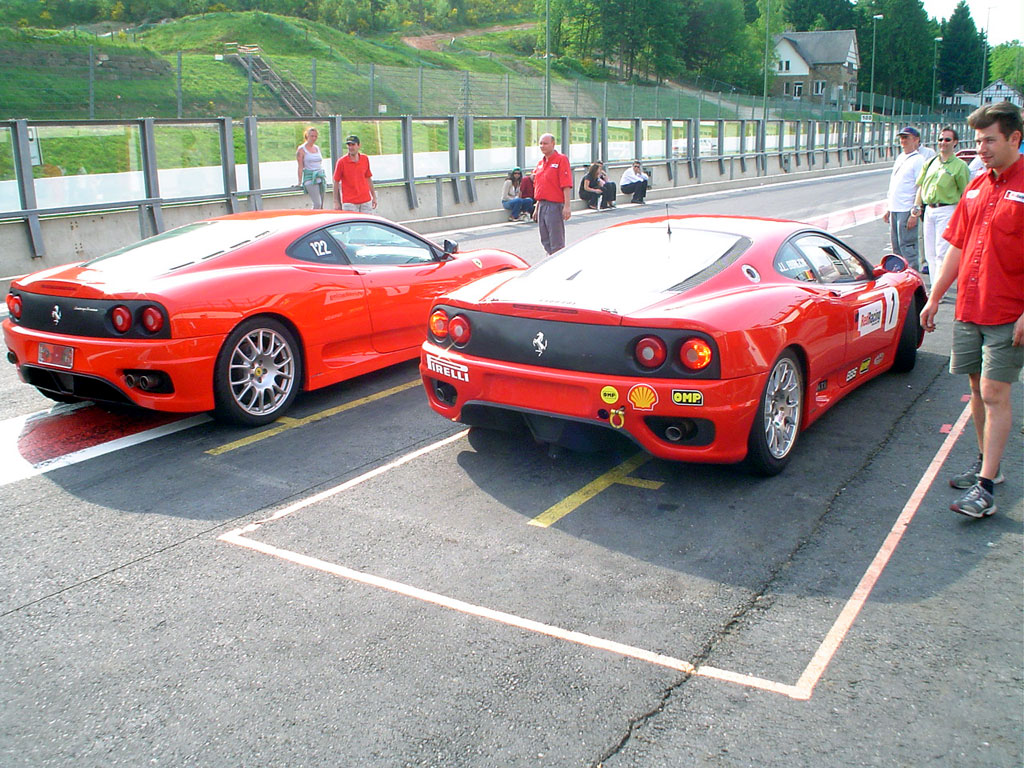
753,227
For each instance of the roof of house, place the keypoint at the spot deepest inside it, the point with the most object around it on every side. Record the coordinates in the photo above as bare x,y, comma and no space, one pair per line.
828,47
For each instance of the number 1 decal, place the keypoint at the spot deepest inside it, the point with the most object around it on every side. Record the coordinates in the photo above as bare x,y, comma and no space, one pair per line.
892,307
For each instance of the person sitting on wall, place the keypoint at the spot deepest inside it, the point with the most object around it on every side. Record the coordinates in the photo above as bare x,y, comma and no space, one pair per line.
595,187
635,182
518,205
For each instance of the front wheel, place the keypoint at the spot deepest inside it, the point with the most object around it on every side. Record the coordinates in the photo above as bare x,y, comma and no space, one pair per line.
776,426
257,374
906,349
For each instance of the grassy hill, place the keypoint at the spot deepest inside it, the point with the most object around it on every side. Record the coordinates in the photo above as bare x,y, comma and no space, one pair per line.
40,86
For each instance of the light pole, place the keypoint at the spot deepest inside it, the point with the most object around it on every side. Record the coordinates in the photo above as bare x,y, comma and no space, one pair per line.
874,28
767,32
547,58
935,66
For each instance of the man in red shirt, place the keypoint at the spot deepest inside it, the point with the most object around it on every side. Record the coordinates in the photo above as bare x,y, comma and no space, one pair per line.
353,182
987,261
552,188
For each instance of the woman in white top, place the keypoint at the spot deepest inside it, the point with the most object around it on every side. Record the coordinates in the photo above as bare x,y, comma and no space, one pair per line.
311,168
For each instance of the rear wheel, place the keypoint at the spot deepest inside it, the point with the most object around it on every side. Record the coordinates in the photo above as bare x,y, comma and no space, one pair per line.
257,374
776,427
906,350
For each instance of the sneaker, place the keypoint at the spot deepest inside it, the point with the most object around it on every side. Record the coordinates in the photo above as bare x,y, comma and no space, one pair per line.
977,503
524,217
970,477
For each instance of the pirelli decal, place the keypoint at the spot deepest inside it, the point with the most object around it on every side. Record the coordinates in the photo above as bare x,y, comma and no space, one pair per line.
447,368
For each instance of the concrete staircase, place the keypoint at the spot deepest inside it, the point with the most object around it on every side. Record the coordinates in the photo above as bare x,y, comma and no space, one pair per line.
293,96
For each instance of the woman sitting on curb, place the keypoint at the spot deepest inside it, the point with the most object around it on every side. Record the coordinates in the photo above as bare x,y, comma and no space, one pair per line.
518,207
595,186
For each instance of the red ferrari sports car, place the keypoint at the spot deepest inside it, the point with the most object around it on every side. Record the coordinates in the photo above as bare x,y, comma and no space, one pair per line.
702,338
236,313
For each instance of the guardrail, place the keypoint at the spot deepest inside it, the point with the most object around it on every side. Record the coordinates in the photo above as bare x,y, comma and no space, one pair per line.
150,163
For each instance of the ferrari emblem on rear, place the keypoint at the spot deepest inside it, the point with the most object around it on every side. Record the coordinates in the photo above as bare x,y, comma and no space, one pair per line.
55,314
540,343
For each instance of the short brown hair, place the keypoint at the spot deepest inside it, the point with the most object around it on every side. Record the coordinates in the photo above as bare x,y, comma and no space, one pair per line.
1003,112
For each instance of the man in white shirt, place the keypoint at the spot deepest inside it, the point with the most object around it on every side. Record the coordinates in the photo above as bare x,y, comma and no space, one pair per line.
635,182
902,191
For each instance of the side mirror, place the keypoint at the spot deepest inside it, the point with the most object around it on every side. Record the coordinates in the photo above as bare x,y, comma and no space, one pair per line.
891,263
450,247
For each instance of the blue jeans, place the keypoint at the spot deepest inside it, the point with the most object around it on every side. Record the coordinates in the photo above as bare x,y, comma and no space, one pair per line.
517,205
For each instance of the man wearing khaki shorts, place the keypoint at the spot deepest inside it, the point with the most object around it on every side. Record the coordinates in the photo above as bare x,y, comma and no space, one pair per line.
987,261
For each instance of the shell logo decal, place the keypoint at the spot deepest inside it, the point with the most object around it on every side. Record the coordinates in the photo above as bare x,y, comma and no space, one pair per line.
643,397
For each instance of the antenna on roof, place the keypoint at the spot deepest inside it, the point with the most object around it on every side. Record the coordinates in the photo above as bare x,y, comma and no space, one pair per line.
668,222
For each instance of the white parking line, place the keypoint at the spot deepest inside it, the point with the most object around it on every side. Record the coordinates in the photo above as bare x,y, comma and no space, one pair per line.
801,691
14,466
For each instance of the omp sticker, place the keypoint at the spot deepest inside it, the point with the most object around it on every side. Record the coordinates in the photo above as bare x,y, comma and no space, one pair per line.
609,394
869,318
865,364
643,397
892,307
447,368
687,397
1017,197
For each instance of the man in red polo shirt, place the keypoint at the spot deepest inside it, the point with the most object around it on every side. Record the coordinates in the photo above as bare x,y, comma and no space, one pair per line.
987,261
552,189
353,182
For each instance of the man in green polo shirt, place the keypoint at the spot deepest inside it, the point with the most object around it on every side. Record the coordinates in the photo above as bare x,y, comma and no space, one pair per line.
940,184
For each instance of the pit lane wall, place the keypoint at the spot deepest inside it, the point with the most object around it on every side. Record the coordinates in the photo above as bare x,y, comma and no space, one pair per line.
48,220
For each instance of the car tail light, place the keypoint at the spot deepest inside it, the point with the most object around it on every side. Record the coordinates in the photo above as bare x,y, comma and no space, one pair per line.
459,329
14,305
439,323
695,354
650,352
152,319
121,317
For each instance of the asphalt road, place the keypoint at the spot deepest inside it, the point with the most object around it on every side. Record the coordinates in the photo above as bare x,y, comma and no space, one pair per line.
365,588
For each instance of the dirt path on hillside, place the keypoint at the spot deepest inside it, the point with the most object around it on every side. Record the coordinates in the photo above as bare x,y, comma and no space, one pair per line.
434,42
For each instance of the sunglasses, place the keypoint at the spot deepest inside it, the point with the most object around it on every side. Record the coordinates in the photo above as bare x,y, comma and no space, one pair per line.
945,139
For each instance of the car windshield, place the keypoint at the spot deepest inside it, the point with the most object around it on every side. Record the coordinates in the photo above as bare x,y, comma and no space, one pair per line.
622,269
184,246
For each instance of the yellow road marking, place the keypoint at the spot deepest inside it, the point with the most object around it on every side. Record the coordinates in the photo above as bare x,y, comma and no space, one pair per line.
286,422
619,474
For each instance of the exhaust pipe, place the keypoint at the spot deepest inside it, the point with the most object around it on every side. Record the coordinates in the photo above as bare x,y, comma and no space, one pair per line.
147,382
12,358
129,380
673,433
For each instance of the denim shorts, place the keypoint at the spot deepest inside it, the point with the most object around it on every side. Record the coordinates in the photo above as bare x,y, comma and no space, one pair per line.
986,349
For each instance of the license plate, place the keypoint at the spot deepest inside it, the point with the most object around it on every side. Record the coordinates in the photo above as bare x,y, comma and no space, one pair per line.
56,354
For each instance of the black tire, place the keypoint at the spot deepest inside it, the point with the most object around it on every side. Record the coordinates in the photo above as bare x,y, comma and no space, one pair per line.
906,350
776,427
258,373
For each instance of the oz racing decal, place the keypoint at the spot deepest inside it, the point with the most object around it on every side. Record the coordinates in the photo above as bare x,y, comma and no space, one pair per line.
643,397
452,370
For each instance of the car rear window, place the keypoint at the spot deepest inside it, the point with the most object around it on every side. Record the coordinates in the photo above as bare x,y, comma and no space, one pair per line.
640,259
183,246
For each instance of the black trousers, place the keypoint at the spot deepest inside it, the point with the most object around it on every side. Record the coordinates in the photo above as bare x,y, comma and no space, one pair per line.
636,188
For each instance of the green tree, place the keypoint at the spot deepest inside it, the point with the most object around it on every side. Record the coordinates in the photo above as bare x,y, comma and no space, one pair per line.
905,46
960,52
804,15
1006,62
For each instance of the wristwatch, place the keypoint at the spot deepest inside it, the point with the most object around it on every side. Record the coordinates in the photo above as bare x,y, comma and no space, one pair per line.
915,211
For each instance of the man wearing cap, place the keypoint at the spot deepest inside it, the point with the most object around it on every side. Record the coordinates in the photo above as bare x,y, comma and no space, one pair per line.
353,182
902,191
552,187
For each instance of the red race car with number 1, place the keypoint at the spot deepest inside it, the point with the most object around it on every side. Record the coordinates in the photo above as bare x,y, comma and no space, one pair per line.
235,314
703,338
